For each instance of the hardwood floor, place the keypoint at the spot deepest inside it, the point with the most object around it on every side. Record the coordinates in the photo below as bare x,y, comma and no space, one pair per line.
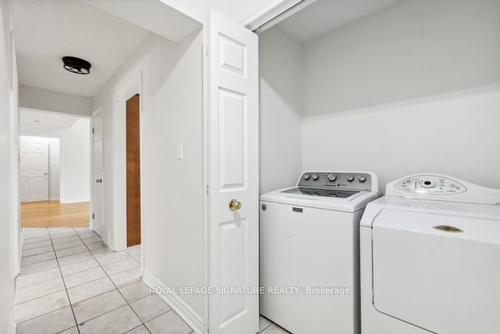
55,214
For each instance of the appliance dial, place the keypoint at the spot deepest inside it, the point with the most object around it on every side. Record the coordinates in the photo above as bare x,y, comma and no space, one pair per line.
428,184
362,179
315,177
350,178
332,177
307,177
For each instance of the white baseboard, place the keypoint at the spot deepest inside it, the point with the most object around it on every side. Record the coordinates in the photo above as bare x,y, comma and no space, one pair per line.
177,304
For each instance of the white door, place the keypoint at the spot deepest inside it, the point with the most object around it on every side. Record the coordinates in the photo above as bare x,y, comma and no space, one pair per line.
97,193
234,168
34,170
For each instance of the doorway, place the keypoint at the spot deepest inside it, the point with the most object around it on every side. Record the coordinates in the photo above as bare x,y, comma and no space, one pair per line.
54,169
133,171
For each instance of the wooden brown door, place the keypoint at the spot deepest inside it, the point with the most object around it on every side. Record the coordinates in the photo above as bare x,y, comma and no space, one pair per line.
133,172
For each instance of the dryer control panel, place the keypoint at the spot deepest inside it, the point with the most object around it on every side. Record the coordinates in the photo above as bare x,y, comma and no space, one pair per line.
442,188
430,184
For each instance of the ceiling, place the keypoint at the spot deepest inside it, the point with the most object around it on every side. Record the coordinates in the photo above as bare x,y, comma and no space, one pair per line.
153,15
47,30
41,123
326,15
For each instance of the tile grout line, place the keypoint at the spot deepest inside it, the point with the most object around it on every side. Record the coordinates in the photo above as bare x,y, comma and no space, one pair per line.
117,289
64,283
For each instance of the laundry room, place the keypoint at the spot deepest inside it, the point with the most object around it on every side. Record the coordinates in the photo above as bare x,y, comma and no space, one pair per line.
395,87
380,167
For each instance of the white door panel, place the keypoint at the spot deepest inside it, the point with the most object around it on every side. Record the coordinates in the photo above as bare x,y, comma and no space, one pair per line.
34,169
233,175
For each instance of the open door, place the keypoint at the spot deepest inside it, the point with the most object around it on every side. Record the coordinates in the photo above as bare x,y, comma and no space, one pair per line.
234,179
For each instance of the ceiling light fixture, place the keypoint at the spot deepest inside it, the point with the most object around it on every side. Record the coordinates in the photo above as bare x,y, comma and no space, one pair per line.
76,65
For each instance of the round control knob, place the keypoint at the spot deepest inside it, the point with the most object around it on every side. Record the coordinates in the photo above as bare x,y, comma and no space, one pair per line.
307,177
332,177
428,184
350,178
362,179
315,177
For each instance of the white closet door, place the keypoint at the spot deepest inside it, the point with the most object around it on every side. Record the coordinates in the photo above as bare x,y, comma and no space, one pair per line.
34,170
234,168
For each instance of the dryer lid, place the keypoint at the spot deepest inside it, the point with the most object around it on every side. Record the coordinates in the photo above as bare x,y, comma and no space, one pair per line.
439,272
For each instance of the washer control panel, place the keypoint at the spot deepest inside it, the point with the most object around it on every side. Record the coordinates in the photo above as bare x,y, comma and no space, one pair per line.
338,180
431,185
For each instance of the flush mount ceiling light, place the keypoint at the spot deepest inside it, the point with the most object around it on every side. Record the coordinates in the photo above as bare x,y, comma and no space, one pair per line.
76,65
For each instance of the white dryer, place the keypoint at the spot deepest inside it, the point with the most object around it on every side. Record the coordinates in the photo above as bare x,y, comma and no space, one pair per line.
430,258
309,252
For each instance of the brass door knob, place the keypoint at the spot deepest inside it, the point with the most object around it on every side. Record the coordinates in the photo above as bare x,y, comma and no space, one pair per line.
234,205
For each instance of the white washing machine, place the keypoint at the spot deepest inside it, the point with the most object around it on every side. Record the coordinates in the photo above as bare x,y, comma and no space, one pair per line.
430,258
309,252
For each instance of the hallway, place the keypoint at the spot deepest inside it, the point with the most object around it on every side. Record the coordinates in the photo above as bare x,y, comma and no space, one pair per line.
72,283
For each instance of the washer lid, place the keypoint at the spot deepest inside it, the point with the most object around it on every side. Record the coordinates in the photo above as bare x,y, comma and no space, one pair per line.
290,196
440,272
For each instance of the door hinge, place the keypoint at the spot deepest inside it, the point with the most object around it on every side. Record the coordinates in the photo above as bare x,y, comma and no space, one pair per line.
93,130
207,187
93,216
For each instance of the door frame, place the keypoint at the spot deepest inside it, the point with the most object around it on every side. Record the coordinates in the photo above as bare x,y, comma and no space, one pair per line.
274,13
95,114
131,85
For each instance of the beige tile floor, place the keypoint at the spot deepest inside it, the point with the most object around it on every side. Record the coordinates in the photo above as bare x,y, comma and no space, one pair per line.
72,283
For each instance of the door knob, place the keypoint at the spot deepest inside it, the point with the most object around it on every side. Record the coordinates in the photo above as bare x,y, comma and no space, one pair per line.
234,205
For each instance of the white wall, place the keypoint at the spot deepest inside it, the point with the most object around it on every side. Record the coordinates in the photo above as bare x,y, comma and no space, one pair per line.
415,49
280,109
172,190
412,88
456,134
74,162
9,149
44,99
